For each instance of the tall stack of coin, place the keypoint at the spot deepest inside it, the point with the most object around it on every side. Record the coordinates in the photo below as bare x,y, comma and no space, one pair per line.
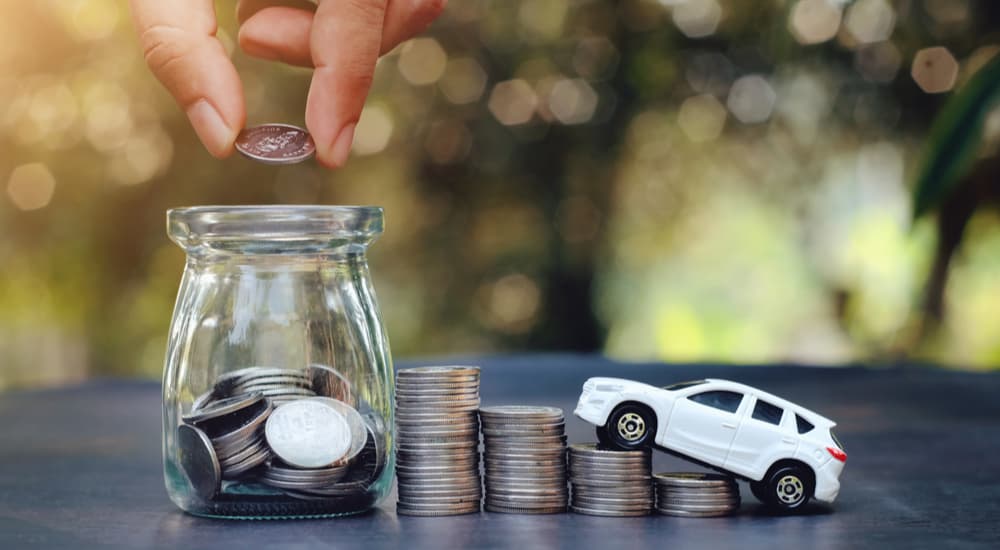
696,494
437,441
525,458
610,483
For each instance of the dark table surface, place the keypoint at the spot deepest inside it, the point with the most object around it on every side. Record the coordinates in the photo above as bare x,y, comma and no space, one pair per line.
80,467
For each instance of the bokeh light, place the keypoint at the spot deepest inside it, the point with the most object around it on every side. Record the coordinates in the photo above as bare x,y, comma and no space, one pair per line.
697,18
878,62
422,61
463,81
751,100
513,102
31,186
935,70
815,21
702,118
572,101
870,21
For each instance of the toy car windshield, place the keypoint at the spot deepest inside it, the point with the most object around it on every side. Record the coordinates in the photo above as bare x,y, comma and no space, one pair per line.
682,385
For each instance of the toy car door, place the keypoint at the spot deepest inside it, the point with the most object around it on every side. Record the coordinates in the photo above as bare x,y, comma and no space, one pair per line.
704,424
764,436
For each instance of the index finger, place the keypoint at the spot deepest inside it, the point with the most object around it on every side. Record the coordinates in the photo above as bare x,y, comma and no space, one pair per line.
179,43
345,41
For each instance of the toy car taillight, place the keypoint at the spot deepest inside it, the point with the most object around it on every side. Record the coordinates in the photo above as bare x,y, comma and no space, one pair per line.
837,453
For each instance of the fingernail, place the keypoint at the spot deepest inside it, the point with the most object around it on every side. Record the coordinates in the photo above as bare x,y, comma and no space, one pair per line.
342,147
211,128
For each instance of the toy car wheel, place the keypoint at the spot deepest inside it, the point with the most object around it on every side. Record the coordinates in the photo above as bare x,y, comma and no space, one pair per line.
630,427
788,488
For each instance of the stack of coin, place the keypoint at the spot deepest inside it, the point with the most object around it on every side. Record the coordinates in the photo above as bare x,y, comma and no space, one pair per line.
525,457
278,385
268,425
234,429
610,483
696,494
438,441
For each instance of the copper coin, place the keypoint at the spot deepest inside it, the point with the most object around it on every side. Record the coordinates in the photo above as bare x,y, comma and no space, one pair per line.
276,144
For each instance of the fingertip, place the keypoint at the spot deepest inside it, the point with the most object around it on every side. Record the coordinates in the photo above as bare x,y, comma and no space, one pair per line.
215,133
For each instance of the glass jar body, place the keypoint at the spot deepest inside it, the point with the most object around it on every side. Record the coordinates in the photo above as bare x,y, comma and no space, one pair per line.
276,349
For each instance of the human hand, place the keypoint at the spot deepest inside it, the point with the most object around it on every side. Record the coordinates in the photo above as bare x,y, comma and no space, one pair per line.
342,39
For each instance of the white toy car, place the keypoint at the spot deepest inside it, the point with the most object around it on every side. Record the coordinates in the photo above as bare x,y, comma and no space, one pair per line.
788,453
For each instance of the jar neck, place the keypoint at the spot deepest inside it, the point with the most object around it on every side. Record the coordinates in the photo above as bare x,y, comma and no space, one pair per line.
220,232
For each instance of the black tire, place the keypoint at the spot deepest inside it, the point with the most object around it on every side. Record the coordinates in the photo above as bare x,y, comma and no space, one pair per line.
788,488
602,436
630,427
759,490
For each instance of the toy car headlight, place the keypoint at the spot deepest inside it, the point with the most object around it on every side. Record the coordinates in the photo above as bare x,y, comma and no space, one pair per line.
610,387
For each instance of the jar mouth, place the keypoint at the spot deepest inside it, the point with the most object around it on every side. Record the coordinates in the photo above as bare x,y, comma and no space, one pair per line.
274,227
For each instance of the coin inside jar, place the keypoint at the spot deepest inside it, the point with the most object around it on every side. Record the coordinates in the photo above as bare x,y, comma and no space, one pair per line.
198,460
308,433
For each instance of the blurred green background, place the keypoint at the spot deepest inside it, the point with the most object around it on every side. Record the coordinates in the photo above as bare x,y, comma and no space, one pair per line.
683,180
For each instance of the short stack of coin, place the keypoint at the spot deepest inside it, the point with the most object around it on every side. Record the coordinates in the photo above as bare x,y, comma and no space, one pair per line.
525,459
437,442
234,428
608,482
696,494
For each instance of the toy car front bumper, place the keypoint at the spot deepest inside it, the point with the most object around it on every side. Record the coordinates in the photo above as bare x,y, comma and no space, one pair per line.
590,408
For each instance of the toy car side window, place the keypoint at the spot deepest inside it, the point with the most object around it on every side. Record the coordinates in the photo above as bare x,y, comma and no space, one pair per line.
767,412
727,401
803,425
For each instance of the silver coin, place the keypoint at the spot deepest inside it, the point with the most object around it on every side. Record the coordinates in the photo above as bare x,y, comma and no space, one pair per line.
531,411
198,460
517,434
693,514
524,506
597,450
528,501
222,407
685,504
308,433
359,430
614,500
590,511
329,382
693,479
277,469
420,427
710,492
698,507
612,491
250,463
519,510
275,144
446,485
472,508
449,370
243,434
501,468
230,379
204,399
445,391
292,378
529,440
254,447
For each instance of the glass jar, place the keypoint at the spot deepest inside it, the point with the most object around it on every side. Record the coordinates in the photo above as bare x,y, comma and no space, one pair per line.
277,387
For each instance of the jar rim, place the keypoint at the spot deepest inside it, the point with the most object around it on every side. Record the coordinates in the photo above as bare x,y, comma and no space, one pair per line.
274,223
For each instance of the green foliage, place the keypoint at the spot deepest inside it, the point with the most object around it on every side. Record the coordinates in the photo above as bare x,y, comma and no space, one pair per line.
955,139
